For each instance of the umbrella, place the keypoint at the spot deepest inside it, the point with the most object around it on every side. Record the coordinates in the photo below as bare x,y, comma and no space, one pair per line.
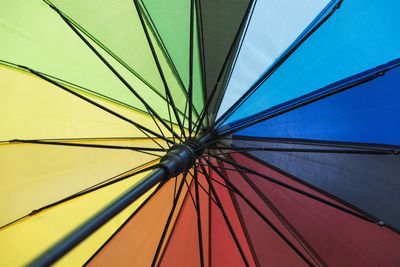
200,133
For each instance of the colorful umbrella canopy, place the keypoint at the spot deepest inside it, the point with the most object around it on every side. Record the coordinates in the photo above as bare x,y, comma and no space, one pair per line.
233,132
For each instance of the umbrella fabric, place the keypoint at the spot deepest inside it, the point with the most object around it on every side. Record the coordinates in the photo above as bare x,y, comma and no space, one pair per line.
299,102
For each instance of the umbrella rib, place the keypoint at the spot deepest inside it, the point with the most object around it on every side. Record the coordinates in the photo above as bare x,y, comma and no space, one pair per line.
190,87
143,129
142,205
198,213
360,214
175,188
229,169
150,110
168,222
336,144
259,213
89,139
110,181
301,150
204,111
137,149
285,222
226,219
184,114
157,62
191,195
315,25
200,39
210,226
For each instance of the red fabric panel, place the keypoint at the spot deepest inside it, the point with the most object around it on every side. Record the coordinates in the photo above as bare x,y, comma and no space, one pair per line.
270,249
339,238
205,218
224,249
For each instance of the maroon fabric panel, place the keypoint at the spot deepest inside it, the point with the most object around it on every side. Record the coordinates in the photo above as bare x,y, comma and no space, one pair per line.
340,239
270,249
224,251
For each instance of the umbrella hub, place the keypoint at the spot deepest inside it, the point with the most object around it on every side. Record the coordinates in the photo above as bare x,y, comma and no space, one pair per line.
180,158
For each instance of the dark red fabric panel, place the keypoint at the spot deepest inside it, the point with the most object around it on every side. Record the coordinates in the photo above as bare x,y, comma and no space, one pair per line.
224,249
340,239
270,249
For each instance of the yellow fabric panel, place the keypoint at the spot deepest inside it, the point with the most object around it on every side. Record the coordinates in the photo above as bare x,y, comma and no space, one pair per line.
35,175
32,108
26,239
137,116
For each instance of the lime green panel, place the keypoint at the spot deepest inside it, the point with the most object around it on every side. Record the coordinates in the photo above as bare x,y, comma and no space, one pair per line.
172,21
176,88
154,99
26,239
34,35
116,26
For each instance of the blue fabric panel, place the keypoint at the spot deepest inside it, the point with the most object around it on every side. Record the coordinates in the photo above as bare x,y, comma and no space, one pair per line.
360,35
367,113
369,182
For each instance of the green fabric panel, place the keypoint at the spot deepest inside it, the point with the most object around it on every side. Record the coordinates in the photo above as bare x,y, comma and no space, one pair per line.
172,21
116,25
34,35
177,91
221,20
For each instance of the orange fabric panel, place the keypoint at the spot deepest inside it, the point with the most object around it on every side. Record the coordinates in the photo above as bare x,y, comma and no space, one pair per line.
136,242
176,213
183,246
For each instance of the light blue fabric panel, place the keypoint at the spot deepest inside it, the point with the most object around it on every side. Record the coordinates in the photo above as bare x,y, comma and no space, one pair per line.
273,27
360,35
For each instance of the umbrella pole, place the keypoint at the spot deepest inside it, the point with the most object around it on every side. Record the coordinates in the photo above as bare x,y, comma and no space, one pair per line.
87,228
178,159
